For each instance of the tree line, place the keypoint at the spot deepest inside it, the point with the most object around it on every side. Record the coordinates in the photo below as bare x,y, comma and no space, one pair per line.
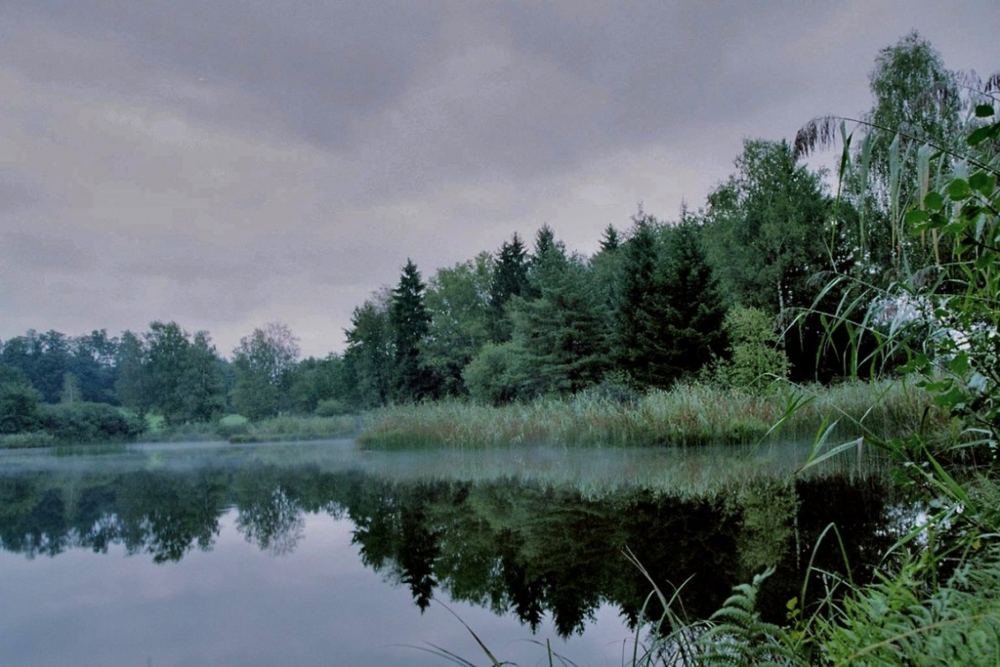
710,295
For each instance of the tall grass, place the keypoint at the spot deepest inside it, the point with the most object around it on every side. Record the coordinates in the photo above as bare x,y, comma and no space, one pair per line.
237,429
289,427
690,414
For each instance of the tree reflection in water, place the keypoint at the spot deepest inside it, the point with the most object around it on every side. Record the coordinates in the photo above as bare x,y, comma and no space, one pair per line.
526,548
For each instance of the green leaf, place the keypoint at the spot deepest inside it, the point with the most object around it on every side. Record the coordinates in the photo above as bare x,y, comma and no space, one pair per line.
917,216
984,110
960,364
981,134
934,201
983,182
978,179
959,189
953,398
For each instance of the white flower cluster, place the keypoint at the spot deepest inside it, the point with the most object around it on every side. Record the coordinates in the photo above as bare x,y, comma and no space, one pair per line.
901,309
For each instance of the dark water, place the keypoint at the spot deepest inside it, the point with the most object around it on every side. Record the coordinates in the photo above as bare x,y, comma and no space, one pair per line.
319,554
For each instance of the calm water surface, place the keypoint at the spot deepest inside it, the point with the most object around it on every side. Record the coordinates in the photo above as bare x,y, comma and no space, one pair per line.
320,554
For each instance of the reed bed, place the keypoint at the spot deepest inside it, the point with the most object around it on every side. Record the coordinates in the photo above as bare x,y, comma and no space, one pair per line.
290,428
686,415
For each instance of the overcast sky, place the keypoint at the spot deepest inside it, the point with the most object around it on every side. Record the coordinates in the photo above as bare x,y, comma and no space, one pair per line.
226,163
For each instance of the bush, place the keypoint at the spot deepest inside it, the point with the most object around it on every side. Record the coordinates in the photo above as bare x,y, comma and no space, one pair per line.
18,408
29,439
90,422
756,360
615,387
232,426
488,375
332,407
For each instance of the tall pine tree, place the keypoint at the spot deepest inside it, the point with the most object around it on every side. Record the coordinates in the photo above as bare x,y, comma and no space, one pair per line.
669,310
510,279
636,325
692,309
409,321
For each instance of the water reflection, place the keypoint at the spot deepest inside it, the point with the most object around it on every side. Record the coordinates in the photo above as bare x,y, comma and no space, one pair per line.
516,546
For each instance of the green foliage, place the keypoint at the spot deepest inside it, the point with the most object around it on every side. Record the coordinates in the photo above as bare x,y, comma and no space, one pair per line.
295,428
561,335
458,302
27,440
510,279
82,422
738,635
692,311
315,381
756,360
899,621
684,415
230,426
369,355
669,310
44,359
130,385
489,375
18,407
767,228
263,362
409,323
332,407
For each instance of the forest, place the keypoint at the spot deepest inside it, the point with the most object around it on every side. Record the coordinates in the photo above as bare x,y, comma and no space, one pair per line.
732,296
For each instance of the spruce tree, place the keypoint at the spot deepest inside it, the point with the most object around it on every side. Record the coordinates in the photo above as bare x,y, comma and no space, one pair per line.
692,310
547,261
561,335
611,240
409,322
510,279
636,324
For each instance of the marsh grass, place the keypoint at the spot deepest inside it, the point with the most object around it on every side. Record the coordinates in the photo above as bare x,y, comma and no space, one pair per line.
237,429
291,428
28,440
687,415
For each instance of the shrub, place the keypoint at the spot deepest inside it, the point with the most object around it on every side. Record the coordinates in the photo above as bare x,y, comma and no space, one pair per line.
756,360
615,387
488,375
90,422
29,439
18,408
231,426
332,407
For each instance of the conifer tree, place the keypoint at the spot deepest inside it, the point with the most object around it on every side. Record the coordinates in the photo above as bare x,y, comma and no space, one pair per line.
692,312
548,260
562,335
510,279
409,322
636,326
610,240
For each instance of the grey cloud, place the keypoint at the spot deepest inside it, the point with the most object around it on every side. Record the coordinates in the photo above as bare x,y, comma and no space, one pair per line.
231,162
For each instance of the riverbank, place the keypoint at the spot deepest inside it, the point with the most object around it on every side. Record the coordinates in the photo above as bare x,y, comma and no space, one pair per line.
687,415
231,428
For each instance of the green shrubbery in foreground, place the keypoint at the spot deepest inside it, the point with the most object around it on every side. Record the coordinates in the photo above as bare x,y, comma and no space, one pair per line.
685,415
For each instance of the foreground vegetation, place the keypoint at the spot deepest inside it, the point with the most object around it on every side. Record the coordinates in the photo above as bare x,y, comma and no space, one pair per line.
683,415
911,173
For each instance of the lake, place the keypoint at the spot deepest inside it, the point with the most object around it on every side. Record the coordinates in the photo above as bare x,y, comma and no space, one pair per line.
323,554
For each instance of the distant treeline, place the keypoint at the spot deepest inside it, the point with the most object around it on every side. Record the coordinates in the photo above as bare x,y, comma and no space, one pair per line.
710,296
